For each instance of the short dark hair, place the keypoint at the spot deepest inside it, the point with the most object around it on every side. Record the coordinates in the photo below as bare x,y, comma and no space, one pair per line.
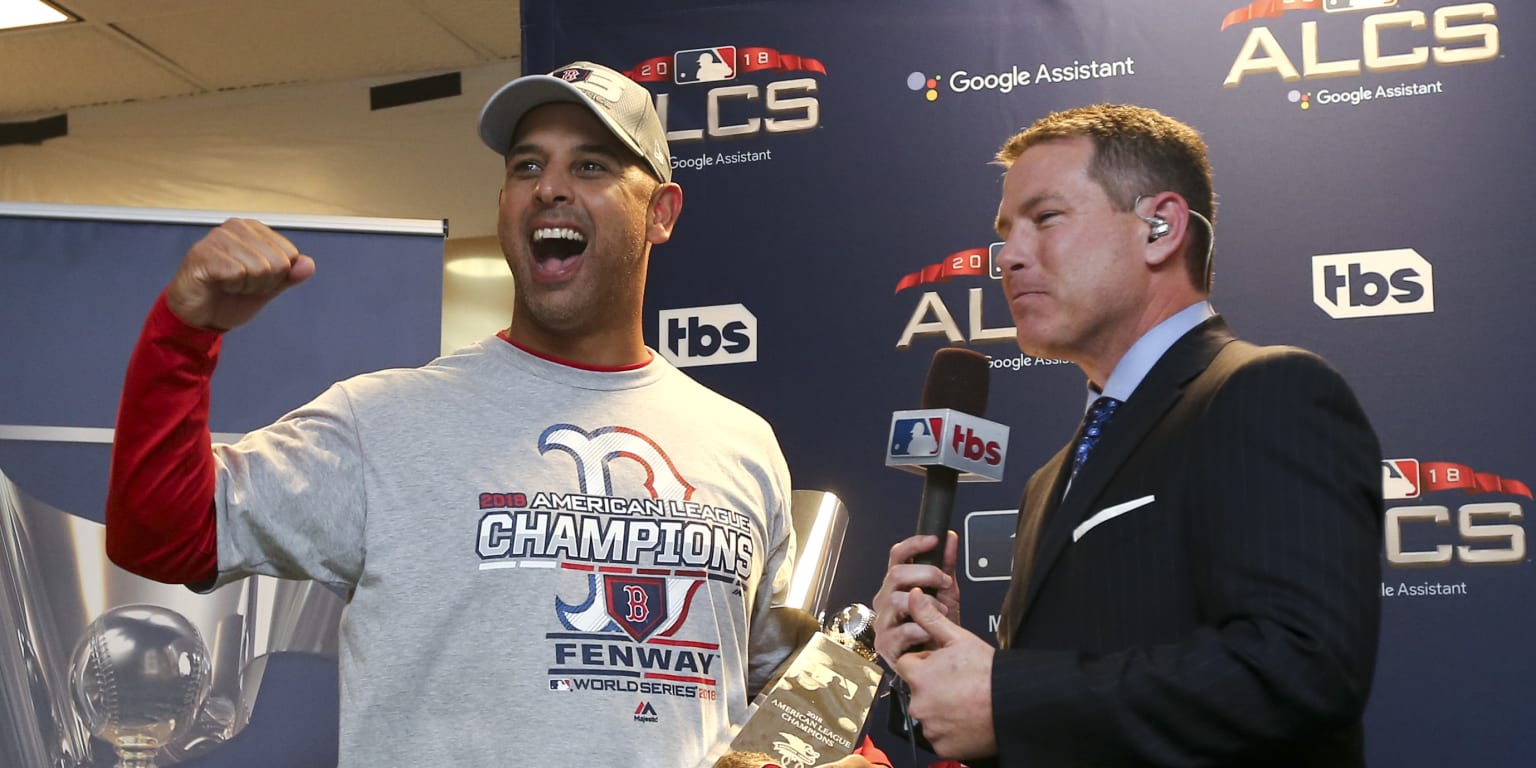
1137,151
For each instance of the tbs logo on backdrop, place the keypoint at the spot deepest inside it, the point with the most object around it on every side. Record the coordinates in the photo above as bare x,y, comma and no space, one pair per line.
1395,282
716,335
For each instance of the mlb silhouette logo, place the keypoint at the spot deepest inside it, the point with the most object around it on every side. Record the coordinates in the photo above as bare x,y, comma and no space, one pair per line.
1400,479
560,685
916,437
704,65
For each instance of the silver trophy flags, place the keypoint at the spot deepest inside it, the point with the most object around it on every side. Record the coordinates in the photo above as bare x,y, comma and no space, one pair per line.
184,668
820,519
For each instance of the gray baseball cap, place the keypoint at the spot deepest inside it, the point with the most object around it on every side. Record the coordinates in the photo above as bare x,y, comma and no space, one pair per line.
619,102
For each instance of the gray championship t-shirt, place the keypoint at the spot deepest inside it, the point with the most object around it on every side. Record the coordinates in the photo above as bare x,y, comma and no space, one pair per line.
546,565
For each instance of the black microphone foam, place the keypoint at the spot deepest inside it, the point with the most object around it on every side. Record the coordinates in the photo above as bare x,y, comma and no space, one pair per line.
958,379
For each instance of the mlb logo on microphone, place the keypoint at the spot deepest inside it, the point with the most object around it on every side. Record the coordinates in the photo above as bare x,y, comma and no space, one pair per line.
916,437
943,437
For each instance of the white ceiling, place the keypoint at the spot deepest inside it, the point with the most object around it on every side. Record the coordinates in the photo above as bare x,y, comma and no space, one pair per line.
139,50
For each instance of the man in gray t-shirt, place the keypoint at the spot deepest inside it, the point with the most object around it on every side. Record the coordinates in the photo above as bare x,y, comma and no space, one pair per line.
555,545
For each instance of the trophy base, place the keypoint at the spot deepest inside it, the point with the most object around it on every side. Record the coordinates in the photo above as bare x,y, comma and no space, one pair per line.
815,711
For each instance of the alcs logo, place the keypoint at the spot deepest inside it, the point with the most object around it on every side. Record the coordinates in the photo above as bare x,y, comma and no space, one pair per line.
716,335
1490,532
735,109
1373,283
1464,34
932,317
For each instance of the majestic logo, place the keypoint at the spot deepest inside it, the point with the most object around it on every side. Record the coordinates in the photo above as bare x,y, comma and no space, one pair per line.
716,335
1392,41
1373,283
1490,532
645,713
731,107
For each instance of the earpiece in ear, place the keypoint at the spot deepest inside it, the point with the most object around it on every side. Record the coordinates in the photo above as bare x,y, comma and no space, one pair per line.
1159,227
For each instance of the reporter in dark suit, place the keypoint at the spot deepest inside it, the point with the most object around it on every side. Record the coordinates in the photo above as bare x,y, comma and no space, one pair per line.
1204,591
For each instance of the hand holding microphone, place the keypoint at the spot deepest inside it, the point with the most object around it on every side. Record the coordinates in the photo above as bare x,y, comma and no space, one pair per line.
949,442
958,380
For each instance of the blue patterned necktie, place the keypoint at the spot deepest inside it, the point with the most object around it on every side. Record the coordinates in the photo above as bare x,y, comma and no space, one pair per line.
1093,426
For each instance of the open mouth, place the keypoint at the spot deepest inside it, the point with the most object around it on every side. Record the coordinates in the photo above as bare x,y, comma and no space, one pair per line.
555,251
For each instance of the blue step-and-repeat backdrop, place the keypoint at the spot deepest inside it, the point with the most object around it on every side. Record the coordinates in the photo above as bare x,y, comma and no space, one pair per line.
1373,164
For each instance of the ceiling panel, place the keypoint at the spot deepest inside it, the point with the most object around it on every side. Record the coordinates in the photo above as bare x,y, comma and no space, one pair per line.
108,11
135,50
75,66
240,44
493,26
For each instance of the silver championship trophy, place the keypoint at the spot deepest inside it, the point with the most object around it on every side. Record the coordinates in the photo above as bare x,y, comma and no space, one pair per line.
139,675
157,672
814,712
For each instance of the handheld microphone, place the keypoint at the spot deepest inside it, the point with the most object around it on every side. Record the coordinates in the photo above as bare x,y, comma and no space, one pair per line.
948,437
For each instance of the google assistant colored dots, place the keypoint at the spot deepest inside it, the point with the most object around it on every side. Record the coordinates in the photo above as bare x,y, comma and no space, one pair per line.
918,81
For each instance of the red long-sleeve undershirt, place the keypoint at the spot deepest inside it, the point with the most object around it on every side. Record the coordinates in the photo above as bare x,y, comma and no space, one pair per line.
161,520
160,508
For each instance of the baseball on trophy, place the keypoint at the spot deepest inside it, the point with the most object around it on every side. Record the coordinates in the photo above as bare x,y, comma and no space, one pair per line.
139,677
854,628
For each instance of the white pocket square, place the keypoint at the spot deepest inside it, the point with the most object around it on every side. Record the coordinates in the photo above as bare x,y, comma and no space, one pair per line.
1109,513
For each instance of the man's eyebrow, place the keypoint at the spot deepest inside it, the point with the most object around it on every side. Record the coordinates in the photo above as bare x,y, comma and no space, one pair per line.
1026,205
606,150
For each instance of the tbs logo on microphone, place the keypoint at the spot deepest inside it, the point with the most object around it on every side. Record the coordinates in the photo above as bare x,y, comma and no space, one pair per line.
724,333
941,437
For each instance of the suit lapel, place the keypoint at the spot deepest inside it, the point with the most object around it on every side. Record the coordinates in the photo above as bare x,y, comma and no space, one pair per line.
1157,393
1040,496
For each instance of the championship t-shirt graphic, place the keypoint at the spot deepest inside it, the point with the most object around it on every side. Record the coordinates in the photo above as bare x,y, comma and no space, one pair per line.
632,550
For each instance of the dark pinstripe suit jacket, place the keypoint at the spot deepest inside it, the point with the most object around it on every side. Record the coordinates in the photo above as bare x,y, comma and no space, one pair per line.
1208,592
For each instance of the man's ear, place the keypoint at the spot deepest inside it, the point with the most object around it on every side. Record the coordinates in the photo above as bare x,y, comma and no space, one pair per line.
1172,209
666,205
